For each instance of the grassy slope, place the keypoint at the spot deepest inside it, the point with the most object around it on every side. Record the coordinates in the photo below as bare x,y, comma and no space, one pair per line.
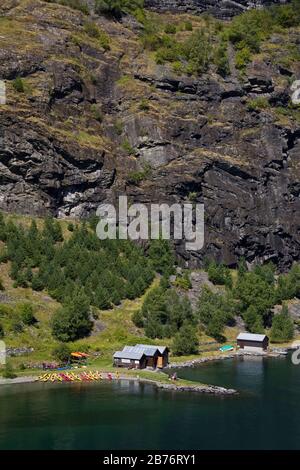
113,329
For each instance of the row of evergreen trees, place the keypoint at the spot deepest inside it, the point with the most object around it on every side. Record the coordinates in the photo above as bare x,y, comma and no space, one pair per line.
165,314
80,271
253,297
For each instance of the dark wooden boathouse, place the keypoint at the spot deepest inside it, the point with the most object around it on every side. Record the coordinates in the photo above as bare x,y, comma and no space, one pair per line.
142,356
253,342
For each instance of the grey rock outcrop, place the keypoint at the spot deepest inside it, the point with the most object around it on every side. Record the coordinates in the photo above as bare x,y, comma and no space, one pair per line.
206,389
220,8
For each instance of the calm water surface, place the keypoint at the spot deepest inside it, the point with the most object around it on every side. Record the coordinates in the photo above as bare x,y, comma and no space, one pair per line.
266,414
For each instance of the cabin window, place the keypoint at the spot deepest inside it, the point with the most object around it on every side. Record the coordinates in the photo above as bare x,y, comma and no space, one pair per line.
126,361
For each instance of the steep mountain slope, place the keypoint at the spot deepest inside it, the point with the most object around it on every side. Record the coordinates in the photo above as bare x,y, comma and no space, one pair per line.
93,115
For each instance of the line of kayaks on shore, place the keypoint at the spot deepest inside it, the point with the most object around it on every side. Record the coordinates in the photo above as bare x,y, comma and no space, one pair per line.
86,376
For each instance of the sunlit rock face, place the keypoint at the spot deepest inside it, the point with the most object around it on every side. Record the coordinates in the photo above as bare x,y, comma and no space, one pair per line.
80,133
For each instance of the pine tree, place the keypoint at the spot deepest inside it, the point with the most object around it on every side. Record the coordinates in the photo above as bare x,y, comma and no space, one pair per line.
138,319
26,314
37,282
72,321
254,322
185,341
242,267
102,298
282,327
153,329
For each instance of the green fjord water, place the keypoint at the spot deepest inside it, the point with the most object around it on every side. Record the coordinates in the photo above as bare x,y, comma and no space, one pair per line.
266,414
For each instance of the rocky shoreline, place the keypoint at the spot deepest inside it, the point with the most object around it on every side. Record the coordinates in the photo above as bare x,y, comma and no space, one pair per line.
18,380
277,352
207,389
202,360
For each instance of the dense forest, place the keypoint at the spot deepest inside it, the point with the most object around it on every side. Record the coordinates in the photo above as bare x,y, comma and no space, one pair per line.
86,275
79,271
249,294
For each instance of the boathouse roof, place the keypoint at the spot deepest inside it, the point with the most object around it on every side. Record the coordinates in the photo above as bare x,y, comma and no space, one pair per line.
161,349
138,351
135,355
251,337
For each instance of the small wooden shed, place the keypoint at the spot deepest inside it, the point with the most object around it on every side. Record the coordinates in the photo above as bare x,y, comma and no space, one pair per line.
157,356
130,359
142,356
253,342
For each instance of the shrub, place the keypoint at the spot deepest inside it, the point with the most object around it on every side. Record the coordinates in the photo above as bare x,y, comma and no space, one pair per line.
188,26
242,58
219,274
102,298
253,290
91,29
183,281
242,267
17,326
138,319
253,320
26,314
3,256
8,372
116,8
151,41
248,30
118,126
80,5
215,310
163,313
62,353
37,283
258,103
198,51
162,257
104,41
185,341
144,105
169,51
170,28
1,331
72,321
136,177
221,59
18,84
127,147
282,327
96,112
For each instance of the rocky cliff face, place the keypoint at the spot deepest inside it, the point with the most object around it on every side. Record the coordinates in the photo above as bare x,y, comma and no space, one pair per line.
80,132
219,8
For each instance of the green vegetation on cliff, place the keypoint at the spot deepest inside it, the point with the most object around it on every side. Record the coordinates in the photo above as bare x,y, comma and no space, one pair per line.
208,43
